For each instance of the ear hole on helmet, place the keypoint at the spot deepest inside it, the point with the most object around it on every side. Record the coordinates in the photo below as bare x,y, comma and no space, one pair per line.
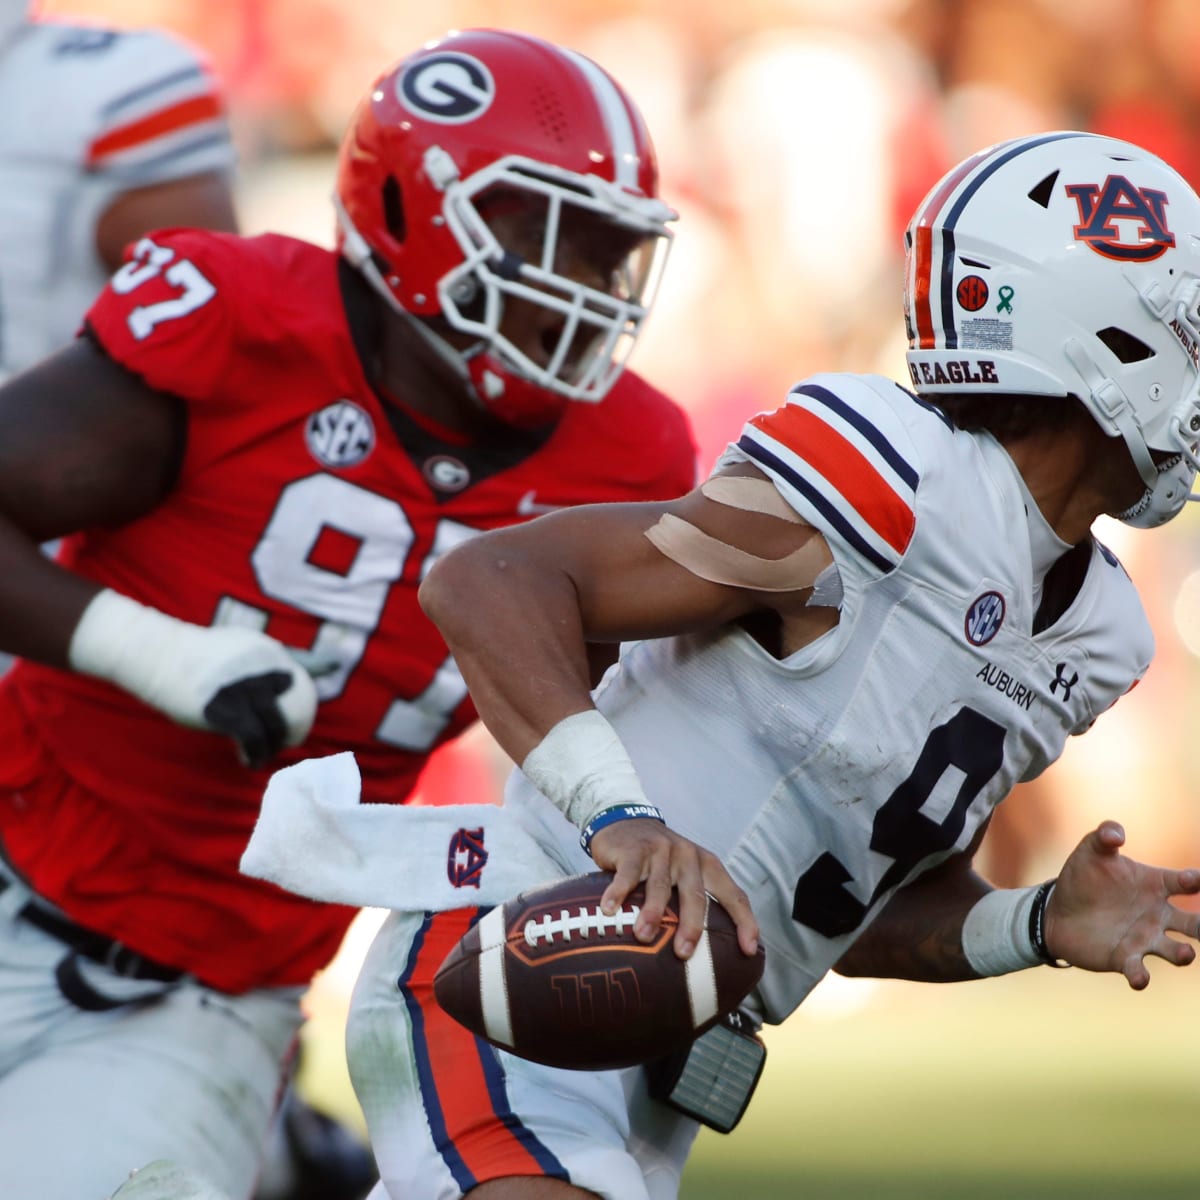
393,209
1043,191
1124,345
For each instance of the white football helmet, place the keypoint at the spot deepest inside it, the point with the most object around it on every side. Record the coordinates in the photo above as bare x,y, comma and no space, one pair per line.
1067,264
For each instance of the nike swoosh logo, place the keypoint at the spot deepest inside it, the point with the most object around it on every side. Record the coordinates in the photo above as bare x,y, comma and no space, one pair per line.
528,506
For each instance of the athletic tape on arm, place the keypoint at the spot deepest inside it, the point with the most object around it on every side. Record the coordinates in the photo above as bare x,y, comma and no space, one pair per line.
750,495
718,562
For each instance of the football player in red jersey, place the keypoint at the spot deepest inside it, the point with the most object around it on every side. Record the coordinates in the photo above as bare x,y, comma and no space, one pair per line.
254,454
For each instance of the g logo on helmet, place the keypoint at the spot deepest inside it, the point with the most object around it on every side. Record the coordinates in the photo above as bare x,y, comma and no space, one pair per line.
1104,210
447,87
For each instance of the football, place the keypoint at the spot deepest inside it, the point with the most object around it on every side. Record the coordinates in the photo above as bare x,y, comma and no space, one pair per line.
549,977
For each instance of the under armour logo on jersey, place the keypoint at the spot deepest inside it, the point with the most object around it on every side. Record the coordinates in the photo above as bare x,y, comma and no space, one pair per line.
447,87
1119,208
340,435
984,618
466,858
1060,680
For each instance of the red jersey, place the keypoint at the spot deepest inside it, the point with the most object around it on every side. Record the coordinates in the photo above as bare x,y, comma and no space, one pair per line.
303,507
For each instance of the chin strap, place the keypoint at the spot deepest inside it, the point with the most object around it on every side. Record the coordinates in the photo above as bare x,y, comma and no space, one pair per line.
1168,484
1113,405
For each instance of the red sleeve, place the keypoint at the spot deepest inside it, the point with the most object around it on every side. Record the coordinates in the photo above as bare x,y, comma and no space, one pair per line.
653,439
169,314
680,461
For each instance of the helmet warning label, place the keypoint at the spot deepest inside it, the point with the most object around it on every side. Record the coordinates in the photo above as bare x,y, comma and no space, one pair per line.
985,333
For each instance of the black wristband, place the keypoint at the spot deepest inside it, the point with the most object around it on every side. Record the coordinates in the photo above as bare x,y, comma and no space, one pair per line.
1037,925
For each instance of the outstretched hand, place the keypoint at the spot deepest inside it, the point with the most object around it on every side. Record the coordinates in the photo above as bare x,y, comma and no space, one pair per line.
642,849
1107,912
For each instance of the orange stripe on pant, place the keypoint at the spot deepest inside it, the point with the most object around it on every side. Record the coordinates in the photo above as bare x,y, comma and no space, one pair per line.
490,1144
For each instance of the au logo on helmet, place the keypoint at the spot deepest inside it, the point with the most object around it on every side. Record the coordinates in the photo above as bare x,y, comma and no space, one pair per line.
1103,210
447,87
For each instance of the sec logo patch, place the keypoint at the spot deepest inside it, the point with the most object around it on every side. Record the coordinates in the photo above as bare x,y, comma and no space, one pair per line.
340,435
972,292
984,618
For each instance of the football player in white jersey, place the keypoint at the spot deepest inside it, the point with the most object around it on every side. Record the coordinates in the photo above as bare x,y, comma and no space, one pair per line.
111,134
883,609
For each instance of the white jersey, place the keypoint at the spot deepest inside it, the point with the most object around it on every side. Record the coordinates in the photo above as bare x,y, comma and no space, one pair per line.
827,779
91,113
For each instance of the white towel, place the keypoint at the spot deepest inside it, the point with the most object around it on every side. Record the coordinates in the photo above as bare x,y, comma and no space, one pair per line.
313,837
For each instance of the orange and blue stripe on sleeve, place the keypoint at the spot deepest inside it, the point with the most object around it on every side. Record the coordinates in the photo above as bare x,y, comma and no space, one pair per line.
858,483
172,123
138,134
462,1084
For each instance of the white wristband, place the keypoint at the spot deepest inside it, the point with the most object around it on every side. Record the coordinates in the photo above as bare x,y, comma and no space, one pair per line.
581,767
123,641
995,934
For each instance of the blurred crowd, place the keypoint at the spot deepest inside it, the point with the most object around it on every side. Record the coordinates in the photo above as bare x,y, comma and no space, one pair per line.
795,137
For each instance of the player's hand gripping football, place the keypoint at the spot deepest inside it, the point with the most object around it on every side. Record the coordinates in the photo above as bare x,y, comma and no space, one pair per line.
230,680
643,849
1108,912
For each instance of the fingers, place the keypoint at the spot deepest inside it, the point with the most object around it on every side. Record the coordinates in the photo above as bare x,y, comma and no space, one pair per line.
628,860
693,911
1178,954
637,851
737,904
248,711
1180,883
1183,922
1135,972
642,851
654,904
1107,838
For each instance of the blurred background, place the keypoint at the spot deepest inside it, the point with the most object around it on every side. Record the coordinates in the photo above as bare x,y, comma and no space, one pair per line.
795,137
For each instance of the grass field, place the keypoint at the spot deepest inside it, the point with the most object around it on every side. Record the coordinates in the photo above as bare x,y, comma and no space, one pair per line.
1045,1086
1041,1086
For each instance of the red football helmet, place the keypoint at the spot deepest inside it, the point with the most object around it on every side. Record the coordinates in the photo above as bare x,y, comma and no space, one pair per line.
446,146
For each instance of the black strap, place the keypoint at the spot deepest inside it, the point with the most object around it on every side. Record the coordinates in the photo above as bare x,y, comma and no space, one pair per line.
78,991
96,946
